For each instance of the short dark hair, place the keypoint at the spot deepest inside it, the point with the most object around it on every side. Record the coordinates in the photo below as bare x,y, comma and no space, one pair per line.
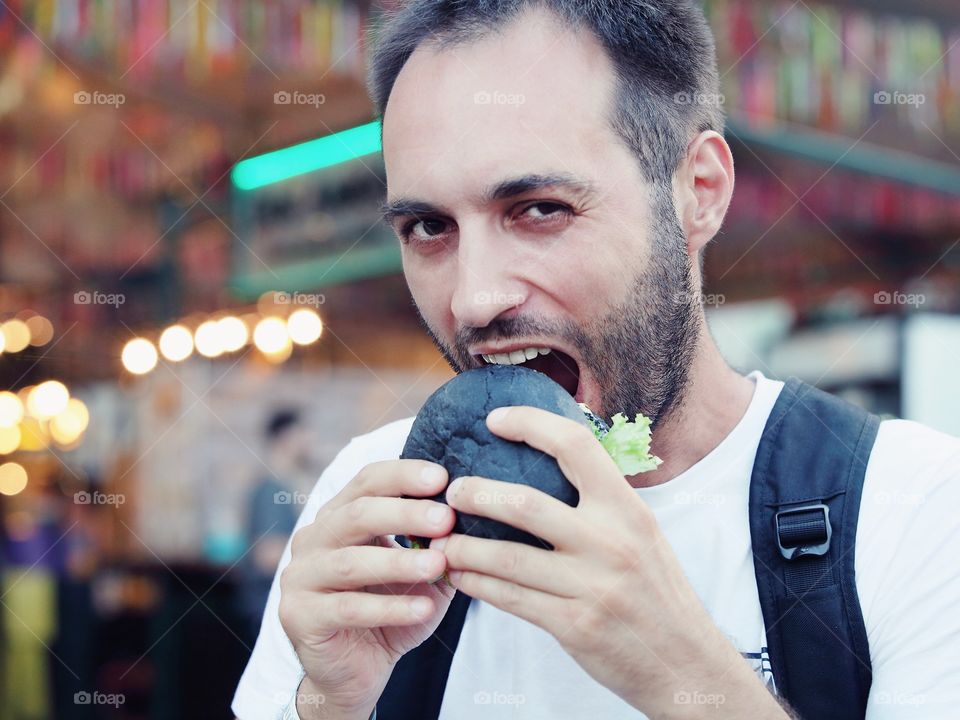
281,421
662,52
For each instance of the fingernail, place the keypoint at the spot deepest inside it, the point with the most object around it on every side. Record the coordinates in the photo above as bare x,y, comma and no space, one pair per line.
437,514
498,416
431,475
454,488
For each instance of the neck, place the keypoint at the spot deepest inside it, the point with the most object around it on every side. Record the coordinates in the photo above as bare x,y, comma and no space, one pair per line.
715,399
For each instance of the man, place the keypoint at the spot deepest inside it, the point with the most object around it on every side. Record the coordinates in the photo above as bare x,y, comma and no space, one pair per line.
553,186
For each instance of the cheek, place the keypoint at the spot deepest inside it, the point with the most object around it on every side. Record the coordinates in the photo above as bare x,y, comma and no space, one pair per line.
431,290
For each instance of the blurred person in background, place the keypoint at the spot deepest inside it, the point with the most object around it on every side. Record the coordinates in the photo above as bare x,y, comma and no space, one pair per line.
273,506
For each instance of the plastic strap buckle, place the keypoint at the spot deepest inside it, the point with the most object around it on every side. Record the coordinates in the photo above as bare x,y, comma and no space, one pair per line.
804,530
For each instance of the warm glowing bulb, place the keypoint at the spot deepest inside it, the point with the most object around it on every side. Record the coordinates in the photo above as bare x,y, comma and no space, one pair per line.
41,330
47,399
9,439
11,409
70,424
233,333
271,337
13,478
208,339
176,343
139,356
304,326
16,335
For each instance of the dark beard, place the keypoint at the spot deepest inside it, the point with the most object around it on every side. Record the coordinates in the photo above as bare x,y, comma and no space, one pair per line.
641,352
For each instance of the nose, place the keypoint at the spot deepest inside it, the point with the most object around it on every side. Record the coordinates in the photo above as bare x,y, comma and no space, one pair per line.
486,283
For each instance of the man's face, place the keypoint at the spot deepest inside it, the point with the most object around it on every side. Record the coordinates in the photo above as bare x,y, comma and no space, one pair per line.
526,223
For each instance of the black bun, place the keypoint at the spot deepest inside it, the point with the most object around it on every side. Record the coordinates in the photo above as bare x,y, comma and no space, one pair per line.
451,430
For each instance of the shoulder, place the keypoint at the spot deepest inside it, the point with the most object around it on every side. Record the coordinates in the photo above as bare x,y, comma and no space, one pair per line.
905,568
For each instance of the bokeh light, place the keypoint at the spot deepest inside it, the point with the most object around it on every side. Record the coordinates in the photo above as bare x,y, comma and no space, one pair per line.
304,326
176,343
139,356
47,399
13,478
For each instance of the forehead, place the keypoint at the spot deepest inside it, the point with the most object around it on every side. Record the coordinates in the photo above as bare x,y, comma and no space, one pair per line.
532,97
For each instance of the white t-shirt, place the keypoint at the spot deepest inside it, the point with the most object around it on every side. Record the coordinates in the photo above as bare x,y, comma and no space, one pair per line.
907,563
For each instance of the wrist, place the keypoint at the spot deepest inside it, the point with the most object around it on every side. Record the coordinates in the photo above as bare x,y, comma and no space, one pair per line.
309,703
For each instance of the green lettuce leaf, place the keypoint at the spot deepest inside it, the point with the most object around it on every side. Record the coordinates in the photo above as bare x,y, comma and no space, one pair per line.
627,442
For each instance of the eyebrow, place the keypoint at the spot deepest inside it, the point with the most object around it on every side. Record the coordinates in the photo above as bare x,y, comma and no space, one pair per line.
511,187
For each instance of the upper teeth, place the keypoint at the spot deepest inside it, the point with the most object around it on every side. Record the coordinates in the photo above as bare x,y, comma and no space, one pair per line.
516,357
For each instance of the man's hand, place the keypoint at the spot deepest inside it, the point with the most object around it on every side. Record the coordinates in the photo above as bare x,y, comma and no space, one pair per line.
612,592
352,600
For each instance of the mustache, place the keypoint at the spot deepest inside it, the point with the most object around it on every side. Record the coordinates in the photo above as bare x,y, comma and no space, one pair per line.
506,328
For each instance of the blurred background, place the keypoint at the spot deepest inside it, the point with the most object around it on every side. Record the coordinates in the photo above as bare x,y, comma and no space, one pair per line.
199,307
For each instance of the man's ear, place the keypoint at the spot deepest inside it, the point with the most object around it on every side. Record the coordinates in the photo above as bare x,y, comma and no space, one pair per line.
703,187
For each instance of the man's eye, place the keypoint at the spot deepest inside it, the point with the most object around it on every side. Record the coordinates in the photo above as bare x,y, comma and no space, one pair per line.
423,229
544,210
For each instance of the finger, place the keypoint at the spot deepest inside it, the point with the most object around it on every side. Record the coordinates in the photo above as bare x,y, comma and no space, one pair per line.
517,505
540,608
353,568
336,611
581,457
545,570
394,478
367,517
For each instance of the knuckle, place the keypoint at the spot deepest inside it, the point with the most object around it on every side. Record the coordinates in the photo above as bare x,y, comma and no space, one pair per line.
342,566
577,439
298,542
510,561
510,597
358,508
346,610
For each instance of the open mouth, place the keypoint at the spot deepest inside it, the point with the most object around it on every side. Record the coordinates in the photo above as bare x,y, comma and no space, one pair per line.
555,364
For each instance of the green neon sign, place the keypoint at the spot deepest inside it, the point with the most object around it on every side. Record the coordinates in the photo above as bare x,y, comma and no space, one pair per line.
306,157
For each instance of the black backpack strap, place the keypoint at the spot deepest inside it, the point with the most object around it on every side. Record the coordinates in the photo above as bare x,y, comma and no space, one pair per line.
804,504
419,679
